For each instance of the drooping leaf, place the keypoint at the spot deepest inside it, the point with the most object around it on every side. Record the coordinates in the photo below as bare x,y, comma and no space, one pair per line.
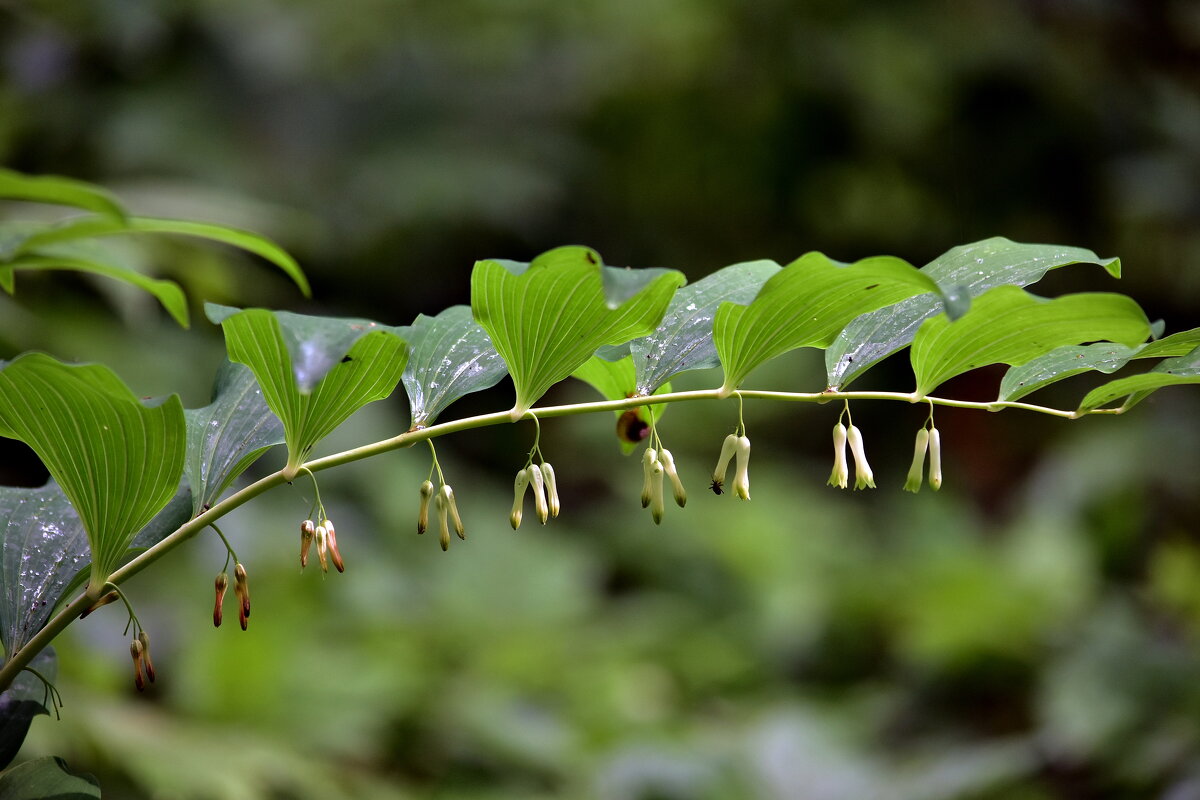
806,304
450,355
264,341
59,257
1007,325
1170,372
117,460
548,317
963,272
25,699
684,338
228,435
59,191
616,380
46,779
91,227
44,547
1105,357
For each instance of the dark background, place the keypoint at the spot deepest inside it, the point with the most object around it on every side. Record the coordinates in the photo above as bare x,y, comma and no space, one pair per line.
1030,632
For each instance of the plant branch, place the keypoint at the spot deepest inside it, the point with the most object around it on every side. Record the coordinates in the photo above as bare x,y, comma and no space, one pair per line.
22,657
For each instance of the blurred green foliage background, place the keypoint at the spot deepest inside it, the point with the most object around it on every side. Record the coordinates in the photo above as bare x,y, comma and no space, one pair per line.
1030,632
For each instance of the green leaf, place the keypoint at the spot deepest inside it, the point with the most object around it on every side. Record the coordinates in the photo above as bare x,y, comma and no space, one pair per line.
90,227
25,699
1010,326
228,435
46,779
450,355
1106,357
44,547
684,338
616,380
117,460
59,191
806,304
166,292
963,272
1170,372
369,370
548,317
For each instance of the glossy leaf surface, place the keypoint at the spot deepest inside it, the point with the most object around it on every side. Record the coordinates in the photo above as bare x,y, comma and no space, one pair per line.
367,361
684,338
963,272
228,435
548,317
117,460
1105,357
450,355
806,304
1010,326
44,547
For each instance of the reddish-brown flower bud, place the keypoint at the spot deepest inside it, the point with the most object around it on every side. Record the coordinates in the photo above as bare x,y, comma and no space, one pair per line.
222,583
307,530
335,555
323,547
136,651
242,587
144,639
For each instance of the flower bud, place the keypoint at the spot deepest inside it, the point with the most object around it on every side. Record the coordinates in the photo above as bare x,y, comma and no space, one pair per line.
741,477
551,489
840,477
916,471
241,586
335,555
727,449
443,511
105,599
452,507
668,463
657,506
322,537
144,638
136,651
649,459
308,530
222,583
935,459
423,512
538,483
519,486
863,477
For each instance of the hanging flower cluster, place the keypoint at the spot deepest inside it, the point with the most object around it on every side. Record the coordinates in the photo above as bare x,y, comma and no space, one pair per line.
539,478
444,505
657,464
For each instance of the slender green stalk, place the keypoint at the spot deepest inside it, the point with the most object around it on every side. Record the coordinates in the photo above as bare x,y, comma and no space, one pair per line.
22,657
